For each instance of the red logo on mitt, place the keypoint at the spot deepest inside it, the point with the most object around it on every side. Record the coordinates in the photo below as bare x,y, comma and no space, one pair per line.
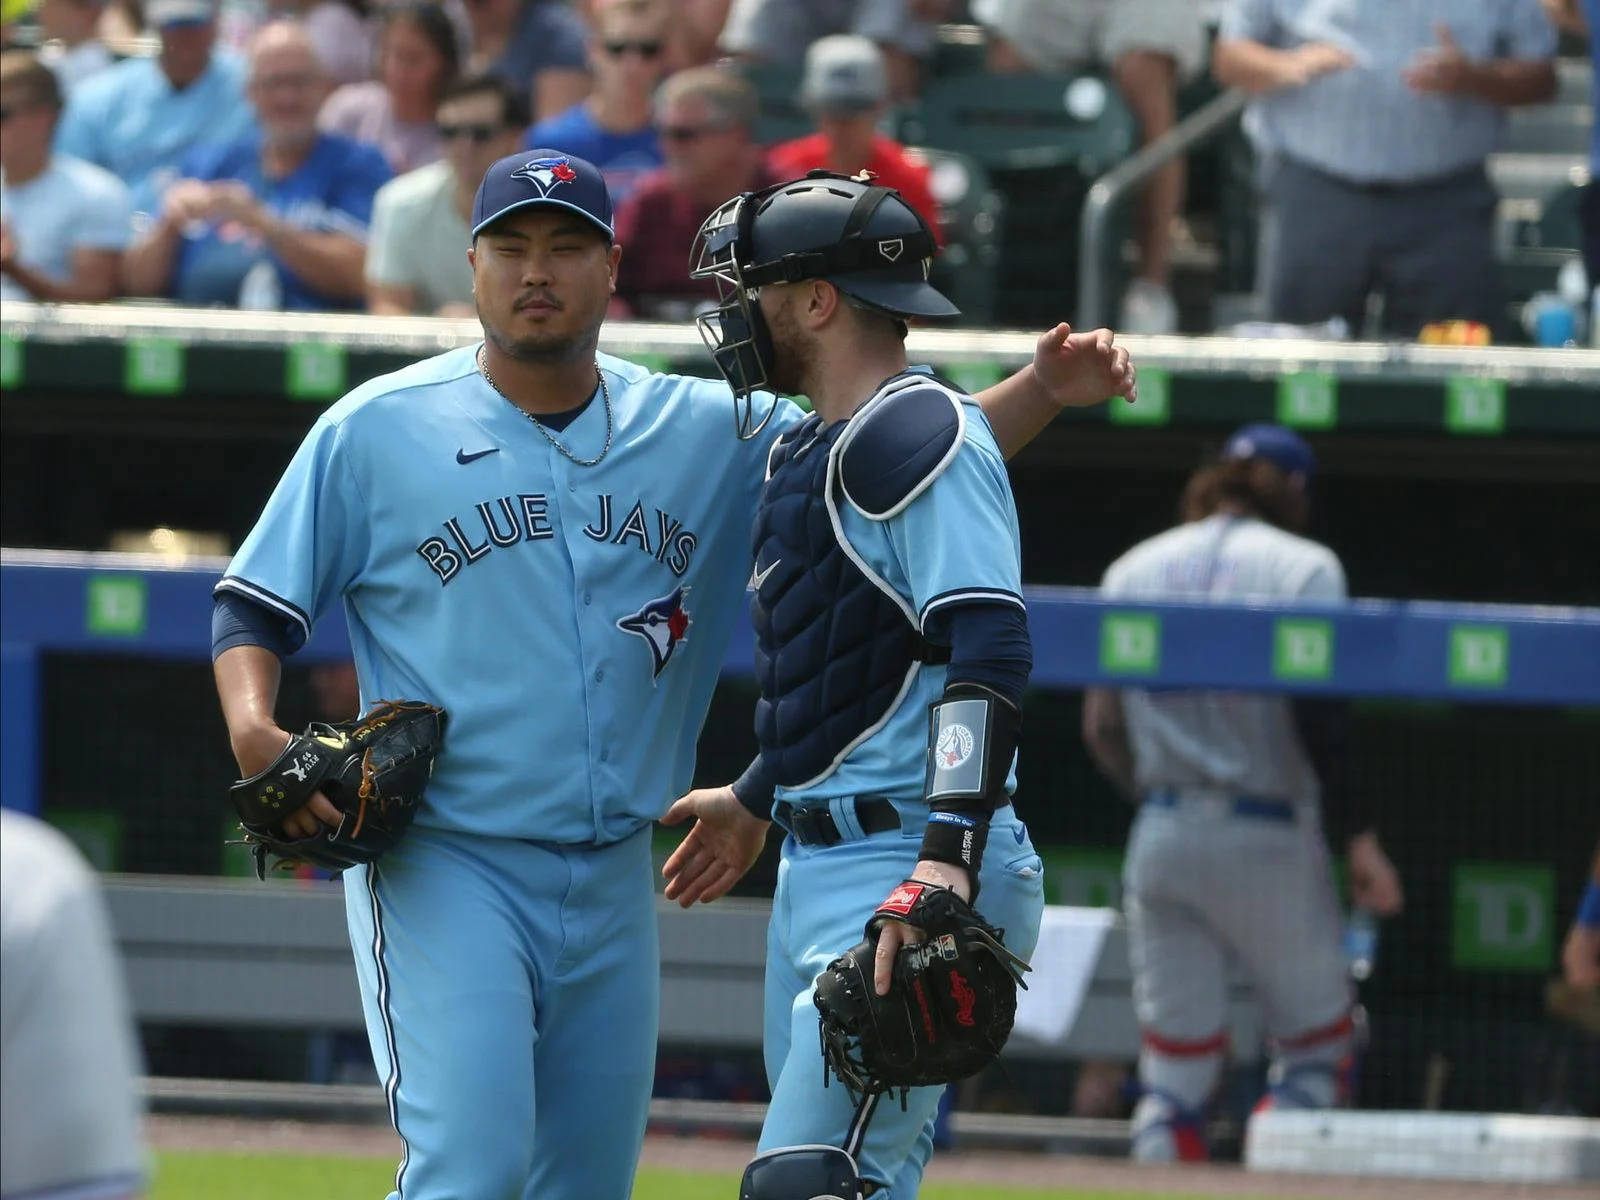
902,900
961,992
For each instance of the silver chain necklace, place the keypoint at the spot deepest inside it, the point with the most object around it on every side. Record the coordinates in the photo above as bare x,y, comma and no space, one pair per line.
605,398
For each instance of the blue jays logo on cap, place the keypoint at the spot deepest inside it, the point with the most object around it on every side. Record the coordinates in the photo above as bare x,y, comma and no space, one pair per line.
663,623
542,178
546,173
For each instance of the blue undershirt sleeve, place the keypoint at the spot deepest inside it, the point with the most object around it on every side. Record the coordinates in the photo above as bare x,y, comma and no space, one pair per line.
989,645
239,621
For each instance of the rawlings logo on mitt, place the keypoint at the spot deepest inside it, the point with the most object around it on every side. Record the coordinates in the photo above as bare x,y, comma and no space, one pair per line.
373,770
949,1011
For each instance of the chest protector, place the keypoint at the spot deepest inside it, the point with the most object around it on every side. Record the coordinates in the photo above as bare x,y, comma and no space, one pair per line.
836,647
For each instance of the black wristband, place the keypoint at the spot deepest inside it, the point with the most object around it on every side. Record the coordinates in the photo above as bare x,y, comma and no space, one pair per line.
755,790
956,838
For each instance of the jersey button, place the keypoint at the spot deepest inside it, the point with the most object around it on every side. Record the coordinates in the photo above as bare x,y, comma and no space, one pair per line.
600,674
587,598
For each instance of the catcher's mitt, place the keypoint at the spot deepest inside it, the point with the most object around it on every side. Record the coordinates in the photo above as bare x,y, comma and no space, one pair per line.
372,770
948,1011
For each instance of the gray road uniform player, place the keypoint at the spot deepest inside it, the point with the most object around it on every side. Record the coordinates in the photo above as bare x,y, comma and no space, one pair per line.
69,1059
1227,857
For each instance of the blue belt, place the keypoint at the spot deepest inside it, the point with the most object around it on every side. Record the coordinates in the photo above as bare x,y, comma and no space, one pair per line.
1266,808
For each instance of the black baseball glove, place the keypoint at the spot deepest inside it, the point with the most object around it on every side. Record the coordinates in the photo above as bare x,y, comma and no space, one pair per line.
373,770
950,1007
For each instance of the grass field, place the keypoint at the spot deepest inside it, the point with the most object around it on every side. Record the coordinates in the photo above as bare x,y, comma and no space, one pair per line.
195,1176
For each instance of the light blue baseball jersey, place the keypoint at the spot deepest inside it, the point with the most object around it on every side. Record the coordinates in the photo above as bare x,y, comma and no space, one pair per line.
956,542
572,620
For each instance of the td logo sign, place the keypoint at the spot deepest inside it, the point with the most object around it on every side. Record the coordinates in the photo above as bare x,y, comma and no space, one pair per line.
1503,917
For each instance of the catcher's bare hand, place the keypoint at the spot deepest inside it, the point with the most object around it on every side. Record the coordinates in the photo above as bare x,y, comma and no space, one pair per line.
258,749
895,934
1079,369
724,843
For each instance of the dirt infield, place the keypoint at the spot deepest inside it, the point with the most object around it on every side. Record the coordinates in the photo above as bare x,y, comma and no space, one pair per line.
973,1166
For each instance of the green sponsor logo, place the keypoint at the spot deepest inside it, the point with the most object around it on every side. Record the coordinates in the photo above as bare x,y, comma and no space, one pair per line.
153,366
10,360
1475,404
116,605
1082,876
1503,916
314,371
974,377
1308,400
1155,400
1479,655
1302,648
1130,643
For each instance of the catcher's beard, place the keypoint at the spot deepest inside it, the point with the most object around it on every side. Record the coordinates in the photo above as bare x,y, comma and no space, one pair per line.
791,351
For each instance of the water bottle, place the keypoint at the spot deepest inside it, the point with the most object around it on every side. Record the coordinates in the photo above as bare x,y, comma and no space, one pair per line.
1361,942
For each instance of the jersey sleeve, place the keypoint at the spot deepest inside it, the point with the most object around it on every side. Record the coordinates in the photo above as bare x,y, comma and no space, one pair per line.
957,542
1323,580
356,185
108,223
310,542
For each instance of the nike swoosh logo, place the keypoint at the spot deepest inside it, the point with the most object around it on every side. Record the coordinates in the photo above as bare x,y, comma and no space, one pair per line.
464,458
757,578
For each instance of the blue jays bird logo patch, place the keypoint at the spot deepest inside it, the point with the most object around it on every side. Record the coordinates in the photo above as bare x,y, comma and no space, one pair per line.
546,174
663,624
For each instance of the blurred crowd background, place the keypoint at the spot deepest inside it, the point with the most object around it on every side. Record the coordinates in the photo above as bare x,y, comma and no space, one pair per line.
322,154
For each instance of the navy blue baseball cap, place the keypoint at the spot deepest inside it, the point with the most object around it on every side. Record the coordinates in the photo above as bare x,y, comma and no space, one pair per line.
542,177
1281,447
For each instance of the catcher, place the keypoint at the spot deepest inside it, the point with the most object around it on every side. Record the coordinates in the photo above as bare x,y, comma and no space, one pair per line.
892,651
363,778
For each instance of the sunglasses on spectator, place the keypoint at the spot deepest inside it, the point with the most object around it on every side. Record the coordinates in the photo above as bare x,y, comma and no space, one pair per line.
688,133
643,49
476,133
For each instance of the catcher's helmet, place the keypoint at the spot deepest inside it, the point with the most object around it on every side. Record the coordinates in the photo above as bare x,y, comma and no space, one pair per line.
857,235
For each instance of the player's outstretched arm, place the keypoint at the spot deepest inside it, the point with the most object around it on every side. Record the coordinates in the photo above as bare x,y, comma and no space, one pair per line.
1069,370
723,844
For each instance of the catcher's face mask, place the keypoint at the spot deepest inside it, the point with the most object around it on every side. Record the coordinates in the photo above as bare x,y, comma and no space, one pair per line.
736,331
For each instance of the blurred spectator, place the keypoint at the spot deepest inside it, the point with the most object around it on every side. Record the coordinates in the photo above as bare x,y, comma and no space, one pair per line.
63,222
539,45
781,30
417,252
1581,18
1580,954
276,220
140,118
1149,45
69,1054
696,28
612,128
847,90
73,49
1373,122
706,117
417,61
338,28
